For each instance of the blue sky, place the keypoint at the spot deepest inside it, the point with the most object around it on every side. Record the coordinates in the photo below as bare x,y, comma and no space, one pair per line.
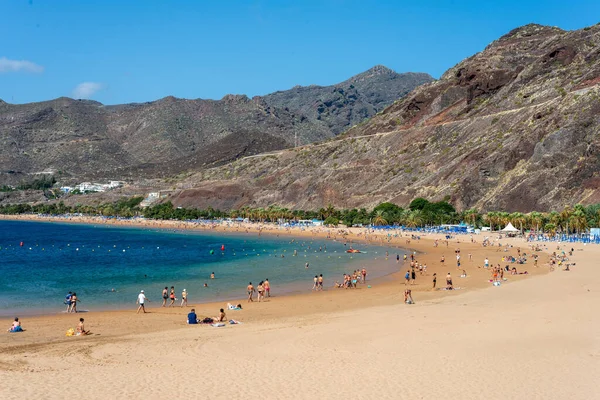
125,51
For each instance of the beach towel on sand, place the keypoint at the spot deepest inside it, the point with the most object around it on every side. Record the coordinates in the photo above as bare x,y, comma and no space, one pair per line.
218,325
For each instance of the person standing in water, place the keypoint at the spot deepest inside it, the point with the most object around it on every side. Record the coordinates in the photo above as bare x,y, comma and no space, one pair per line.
172,296
250,289
141,300
68,301
212,275
165,296
74,301
267,287
184,296
364,275
315,282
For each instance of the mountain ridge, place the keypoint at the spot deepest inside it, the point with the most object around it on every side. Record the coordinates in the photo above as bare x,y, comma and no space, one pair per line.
514,127
85,139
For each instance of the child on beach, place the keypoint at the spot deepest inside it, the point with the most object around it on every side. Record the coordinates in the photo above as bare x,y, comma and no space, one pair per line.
16,326
408,297
81,329
192,318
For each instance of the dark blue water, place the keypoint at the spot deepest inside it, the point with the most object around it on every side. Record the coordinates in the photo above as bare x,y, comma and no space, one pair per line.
91,260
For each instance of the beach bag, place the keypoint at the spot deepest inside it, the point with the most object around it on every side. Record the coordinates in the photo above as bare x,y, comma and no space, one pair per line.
70,332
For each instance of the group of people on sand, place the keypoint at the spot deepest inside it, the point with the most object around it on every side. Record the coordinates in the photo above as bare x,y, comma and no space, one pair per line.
80,331
263,289
350,281
192,317
317,283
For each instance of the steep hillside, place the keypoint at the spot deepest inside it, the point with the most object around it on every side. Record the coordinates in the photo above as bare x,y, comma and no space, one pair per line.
515,127
87,140
350,102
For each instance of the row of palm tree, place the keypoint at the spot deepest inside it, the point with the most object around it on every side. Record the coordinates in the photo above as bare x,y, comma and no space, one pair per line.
576,219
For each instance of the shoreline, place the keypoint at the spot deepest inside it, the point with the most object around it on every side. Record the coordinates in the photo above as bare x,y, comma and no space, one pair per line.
379,263
390,286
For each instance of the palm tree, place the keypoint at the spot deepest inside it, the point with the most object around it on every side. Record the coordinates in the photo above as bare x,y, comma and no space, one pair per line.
414,218
565,215
380,218
490,218
578,221
329,211
471,216
518,219
535,220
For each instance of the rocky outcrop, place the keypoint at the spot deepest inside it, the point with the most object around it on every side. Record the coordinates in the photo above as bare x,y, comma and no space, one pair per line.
515,127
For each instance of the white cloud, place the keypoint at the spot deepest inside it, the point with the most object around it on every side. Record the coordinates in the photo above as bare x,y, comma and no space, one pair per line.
7,65
86,90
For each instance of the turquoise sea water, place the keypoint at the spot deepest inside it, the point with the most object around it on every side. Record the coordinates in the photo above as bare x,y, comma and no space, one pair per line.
91,260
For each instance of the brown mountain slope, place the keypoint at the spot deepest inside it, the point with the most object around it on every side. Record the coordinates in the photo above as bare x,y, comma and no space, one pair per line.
515,127
86,140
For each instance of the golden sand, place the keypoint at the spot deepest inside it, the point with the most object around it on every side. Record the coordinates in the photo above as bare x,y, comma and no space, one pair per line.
536,336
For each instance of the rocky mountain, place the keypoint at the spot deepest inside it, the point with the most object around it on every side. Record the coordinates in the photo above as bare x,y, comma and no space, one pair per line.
80,140
350,102
515,127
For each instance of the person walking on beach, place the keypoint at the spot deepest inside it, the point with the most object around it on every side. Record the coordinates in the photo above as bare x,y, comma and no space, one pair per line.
184,298
364,274
434,280
413,276
250,289
320,282
172,296
261,291
448,281
68,301
74,301
141,300
165,296
315,283
267,286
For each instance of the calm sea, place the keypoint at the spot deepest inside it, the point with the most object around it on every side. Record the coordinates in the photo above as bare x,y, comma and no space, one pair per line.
92,260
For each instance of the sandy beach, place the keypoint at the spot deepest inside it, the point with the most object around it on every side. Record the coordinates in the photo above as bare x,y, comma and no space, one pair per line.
535,336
